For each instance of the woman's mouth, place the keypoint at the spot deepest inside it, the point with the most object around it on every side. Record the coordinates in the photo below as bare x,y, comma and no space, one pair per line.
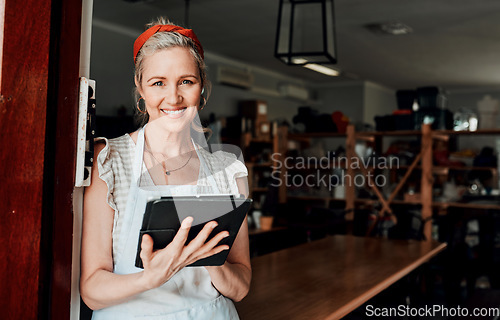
173,113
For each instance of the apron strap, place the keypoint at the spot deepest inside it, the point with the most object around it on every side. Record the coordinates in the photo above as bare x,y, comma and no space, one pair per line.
208,174
139,153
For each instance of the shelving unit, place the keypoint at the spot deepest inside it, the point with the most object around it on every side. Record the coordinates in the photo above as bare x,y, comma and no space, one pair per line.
442,205
423,162
257,167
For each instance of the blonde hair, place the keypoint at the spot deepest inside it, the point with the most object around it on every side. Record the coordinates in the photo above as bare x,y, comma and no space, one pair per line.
165,40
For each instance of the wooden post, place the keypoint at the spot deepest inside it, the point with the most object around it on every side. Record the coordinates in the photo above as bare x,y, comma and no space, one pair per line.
427,179
349,188
282,148
250,179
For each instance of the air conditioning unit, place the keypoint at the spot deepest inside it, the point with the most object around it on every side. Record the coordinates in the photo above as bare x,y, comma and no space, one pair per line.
293,91
235,77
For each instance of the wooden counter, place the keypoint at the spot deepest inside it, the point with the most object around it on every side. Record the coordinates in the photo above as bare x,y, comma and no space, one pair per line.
328,278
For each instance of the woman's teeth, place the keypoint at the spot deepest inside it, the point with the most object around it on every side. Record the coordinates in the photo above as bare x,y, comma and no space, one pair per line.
174,111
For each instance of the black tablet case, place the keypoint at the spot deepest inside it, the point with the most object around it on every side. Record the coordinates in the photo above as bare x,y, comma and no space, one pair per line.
163,218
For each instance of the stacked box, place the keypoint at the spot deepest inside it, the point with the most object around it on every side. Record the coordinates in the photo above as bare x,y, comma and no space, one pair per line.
256,111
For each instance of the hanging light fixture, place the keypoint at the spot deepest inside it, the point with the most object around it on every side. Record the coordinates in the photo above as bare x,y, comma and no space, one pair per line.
306,32
186,13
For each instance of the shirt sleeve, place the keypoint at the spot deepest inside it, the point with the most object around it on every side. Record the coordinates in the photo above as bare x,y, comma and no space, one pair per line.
105,169
234,169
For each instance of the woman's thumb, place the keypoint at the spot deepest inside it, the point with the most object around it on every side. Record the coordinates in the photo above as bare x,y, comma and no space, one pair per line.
146,248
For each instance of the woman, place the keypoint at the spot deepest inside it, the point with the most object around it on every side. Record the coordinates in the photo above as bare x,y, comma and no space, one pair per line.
161,159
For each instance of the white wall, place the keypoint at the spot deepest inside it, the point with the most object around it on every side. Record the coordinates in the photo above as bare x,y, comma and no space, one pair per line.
360,100
224,99
344,97
378,100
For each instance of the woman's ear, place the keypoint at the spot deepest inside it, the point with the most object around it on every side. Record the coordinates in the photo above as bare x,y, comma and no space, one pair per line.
138,86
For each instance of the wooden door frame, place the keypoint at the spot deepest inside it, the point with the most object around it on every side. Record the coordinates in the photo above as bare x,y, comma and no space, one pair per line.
38,117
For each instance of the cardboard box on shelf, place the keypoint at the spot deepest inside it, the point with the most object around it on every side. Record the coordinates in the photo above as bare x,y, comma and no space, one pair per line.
263,130
254,109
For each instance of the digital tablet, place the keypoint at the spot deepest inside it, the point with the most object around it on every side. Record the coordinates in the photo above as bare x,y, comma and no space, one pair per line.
162,219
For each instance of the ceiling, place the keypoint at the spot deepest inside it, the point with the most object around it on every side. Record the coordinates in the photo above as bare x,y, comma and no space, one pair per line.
455,44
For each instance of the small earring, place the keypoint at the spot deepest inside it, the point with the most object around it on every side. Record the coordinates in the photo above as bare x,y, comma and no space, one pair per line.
203,90
202,105
139,108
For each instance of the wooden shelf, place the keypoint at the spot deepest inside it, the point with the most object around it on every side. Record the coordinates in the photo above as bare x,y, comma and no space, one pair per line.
390,133
464,168
465,205
443,205
435,169
443,170
374,201
478,132
303,136
299,136
314,198
258,140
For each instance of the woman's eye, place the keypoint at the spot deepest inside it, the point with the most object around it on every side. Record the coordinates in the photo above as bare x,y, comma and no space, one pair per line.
185,81
158,83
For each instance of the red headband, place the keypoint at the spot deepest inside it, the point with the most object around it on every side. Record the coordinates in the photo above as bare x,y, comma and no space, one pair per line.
139,42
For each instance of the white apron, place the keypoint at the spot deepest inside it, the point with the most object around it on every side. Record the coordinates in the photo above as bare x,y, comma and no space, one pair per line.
189,294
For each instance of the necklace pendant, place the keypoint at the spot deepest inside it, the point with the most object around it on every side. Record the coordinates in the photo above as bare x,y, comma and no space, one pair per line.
168,173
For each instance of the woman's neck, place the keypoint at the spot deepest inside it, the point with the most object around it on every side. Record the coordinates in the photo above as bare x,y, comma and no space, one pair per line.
169,144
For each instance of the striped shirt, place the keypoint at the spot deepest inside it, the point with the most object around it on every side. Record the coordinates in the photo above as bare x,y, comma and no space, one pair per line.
115,163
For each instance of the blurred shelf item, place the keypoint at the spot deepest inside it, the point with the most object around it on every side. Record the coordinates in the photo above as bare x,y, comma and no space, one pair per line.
423,163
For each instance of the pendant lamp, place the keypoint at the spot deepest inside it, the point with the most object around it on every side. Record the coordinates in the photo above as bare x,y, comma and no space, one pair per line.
306,32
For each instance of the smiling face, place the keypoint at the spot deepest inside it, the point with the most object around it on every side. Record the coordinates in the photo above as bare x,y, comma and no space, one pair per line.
171,88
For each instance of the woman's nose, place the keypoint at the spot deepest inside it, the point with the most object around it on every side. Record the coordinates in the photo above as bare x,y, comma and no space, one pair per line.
173,95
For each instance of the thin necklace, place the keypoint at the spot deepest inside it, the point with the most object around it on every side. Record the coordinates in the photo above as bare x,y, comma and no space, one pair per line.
168,172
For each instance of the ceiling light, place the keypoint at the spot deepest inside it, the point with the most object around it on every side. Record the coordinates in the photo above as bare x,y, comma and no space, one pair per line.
394,28
322,69
306,32
300,61
316,67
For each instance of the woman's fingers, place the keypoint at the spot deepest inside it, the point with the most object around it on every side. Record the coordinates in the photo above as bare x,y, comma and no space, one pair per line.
146,249
216,239
162,264
182,235
199,248
210,253
209,248
200,238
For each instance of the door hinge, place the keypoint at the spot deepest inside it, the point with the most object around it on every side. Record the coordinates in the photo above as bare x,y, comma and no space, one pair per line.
86,132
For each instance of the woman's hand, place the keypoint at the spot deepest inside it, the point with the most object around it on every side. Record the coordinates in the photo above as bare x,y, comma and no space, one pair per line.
232,279
161,265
